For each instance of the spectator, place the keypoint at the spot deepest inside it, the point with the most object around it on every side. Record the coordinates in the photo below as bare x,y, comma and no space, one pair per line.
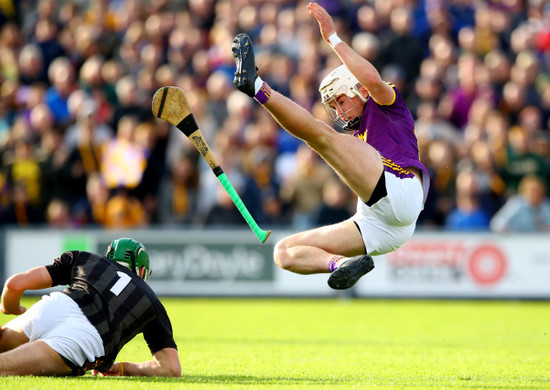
20,211
177,202
461,98
45,35
429,125
92,82
154,147
129,101
480,74
335,207
498,65
441,162
224,213
491,184
468,213
123,211
32,68
85,142
123,160
303,192
86,129
219,88
62,79
260,182
41,121
402,48
25,170
51,156
521,160
97,194
58,214
527,212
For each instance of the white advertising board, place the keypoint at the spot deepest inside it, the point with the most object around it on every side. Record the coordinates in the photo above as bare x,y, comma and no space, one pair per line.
474,266
234,263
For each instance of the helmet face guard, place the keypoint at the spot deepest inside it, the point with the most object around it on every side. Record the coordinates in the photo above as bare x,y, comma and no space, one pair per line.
341,82
340,116
131,254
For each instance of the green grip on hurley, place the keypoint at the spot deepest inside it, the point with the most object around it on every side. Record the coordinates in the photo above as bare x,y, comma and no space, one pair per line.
261,234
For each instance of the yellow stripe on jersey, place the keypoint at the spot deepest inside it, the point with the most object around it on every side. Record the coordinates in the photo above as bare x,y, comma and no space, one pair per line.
390,164
394,95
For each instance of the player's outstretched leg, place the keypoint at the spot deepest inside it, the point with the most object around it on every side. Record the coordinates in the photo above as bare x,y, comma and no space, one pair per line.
347,274
245,75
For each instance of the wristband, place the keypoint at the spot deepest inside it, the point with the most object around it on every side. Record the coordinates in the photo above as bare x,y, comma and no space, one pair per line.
334,39
263,93
121,373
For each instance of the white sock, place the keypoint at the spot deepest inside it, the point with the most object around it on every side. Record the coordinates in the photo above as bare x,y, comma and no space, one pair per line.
258,84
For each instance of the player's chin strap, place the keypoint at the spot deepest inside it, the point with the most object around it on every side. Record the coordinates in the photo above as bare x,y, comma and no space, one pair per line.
353,124
144,274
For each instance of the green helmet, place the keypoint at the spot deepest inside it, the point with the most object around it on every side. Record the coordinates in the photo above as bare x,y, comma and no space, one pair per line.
131,254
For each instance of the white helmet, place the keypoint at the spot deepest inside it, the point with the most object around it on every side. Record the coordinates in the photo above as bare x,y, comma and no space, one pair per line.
341,82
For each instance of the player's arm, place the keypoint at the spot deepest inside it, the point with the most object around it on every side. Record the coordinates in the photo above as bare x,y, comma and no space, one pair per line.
165,362
33,279
361,68
159,338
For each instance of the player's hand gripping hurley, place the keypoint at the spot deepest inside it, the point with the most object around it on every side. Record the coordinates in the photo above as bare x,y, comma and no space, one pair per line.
171,105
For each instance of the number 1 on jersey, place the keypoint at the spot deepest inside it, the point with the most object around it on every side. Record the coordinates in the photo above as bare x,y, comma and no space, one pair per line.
121,283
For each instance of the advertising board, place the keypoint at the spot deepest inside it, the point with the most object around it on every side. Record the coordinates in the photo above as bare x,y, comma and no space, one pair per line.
234,263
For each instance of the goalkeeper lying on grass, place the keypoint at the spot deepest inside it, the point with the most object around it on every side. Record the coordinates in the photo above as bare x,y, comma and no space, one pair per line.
85,326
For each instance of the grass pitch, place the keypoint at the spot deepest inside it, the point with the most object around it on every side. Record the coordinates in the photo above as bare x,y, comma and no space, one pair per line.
338,343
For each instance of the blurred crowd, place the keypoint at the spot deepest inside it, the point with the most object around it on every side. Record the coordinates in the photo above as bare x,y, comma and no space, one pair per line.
80,148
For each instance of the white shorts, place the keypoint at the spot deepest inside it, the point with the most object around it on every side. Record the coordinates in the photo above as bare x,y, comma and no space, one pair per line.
390,222
58,321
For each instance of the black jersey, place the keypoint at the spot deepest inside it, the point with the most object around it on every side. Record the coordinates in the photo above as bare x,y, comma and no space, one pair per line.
116,301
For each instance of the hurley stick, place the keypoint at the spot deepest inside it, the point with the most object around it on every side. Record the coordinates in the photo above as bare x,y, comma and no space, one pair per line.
171,105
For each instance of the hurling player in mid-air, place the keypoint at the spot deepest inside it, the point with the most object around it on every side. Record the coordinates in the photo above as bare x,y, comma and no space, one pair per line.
107,303
377,157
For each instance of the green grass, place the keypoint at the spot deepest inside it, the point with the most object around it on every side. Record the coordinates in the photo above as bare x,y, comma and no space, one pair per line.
337,343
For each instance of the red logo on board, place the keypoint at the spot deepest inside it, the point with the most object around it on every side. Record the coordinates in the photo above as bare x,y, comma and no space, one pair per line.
487,265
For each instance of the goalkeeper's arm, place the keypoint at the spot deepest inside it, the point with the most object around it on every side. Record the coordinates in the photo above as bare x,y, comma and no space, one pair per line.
165,362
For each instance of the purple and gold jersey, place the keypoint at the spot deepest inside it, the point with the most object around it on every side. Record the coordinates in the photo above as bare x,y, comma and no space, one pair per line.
390,130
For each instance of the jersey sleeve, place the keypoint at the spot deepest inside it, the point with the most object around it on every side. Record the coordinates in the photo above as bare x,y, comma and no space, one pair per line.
61,268
394,88
158,333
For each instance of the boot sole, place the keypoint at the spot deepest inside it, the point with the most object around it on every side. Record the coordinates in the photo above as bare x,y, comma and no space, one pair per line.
345,277
245,74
